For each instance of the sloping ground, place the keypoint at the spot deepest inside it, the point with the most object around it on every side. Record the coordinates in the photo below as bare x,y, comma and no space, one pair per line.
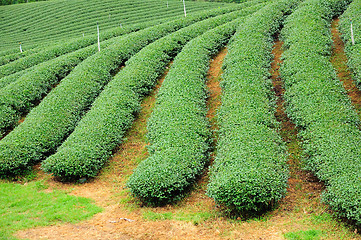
43,22
299,214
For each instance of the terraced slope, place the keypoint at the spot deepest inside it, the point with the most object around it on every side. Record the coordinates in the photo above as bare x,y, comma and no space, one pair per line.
44,22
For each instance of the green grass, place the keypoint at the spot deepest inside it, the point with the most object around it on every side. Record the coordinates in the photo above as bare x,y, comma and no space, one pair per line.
27,206
304,235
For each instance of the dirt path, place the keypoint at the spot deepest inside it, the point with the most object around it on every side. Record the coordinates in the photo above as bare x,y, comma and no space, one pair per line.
196,216
301,183
339,62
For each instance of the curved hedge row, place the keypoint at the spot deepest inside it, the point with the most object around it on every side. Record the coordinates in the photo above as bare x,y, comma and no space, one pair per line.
60,49
19,97
103,127
47,125
250,173
72,18
318,104
178,130
353,51
5,59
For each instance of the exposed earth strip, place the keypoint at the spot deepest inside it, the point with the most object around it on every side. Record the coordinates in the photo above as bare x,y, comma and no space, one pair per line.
339,62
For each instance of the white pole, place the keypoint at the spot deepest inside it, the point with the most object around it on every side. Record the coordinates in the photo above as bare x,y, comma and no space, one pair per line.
98,37
352,38
184,5
21,50
83,34
167,4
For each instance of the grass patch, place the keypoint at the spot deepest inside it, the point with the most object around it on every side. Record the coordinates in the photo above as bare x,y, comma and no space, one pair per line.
194,217
28,206
304,235
153,216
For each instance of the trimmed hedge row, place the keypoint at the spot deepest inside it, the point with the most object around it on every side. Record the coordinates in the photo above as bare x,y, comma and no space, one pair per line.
178,130
19,97
87,149
250,173
60,49
47,125
317,102
353,51
59,23
5,59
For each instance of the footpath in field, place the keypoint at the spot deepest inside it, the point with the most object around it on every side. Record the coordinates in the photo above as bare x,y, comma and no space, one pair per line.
339,62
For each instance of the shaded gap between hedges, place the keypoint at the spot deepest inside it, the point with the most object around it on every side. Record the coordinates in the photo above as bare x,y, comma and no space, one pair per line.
304,188
339,62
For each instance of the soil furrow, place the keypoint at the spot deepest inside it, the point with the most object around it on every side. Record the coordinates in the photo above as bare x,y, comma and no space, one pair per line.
339,62
304,189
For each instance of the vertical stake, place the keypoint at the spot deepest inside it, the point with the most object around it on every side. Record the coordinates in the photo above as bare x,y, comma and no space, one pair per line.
352,38
184,5
167,4
21,50
98,37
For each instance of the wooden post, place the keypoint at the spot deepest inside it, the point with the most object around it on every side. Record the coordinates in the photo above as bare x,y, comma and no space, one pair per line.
184,5
352,38
98,37
21,50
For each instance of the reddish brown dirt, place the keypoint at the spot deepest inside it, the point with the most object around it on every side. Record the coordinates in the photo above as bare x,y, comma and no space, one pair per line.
339,62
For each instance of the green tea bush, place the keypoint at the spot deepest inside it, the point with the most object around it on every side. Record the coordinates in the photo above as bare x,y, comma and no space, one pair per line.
47,22
317,102
112,113
60,49
250,173
47,125
178,131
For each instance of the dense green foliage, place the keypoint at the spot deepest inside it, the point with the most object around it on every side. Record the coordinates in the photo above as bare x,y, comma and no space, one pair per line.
19,96
178,130
60,49
104,126
20,91
47,125
9,2
353,51
57,20
318,104
249,173
28,206
12,56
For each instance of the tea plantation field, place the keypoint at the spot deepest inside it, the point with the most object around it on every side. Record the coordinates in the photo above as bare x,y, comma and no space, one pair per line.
68,100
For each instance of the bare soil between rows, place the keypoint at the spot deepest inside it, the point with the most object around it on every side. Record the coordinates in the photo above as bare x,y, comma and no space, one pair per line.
339,62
